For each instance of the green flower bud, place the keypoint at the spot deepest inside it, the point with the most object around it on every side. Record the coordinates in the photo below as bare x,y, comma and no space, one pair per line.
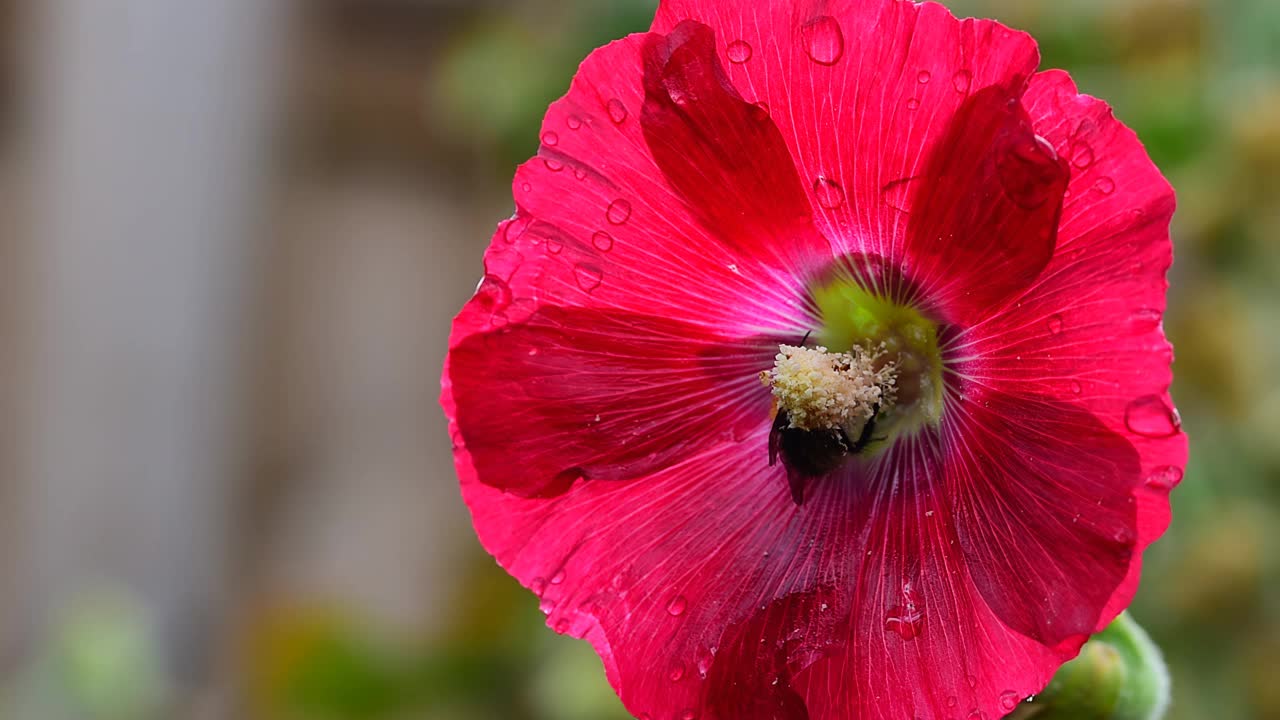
1119,675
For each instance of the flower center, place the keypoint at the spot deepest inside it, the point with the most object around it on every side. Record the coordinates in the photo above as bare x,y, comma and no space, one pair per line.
820,390
904,339
875,376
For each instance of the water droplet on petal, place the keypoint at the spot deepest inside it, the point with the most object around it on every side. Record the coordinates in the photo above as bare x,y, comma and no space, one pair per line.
972,680
516,228
617,111
924,77
913,104
739,51
1164,478
677,606
1105,185
555,245
1081,154
705,657
823,40
688,715
1145,320
962,80
952,701
907,618
1028,171
493,294
830,194
602,240
562,626
900,194
977,714
557,578
1009,700
588,276
1055,324
1149,416
676,673
553,165
619,211
550,138
1076,389
573,121
538,585
525,187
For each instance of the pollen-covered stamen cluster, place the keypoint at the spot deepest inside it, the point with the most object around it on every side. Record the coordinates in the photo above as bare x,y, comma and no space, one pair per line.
821,390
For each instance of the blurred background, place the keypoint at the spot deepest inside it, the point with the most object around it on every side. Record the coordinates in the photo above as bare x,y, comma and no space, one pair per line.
232,237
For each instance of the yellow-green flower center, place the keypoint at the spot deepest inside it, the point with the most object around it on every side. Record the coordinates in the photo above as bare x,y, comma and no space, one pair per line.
900,336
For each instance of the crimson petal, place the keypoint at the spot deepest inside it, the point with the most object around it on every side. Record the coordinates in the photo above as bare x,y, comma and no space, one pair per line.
599,394
985,210
1048,533
724,155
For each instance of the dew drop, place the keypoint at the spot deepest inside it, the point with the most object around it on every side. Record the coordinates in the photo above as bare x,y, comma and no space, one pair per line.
823,40
557,578
830,194
1028,171
900,194
573,121
617,111
1150,417
1081,154
1105,185
952,701
493,294
538,585
555,245
677,606
602,240
553,165
619,211
1009,700
588,276
924,77
525,187
546,605
1076,389
976,714
962,80
516,228
972,680
550,138
580,173
739,51
705,657
676,673
688,715
1145,320
906,619
913,104
1055,324
562,626
1164,478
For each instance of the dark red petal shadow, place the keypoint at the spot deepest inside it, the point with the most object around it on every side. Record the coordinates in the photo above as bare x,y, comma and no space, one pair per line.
1089,332
724,155
861,90
600,394
1044,510
985,210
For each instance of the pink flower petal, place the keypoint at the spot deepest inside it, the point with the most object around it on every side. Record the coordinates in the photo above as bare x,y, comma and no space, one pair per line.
600,395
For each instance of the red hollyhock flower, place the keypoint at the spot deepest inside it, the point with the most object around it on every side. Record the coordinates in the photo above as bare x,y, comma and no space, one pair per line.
820,372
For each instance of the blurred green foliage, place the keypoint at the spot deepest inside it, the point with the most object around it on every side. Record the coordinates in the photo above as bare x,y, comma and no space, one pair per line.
1200,82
